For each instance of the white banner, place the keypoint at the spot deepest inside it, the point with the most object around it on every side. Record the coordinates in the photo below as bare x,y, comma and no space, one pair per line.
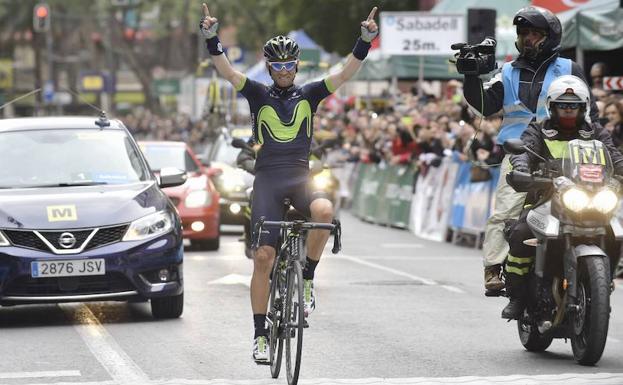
431,204
420,33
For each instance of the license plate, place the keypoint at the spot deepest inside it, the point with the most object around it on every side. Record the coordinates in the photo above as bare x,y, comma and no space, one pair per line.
42,269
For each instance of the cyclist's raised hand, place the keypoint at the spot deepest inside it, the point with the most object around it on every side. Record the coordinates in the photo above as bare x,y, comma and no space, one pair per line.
208,24
369,28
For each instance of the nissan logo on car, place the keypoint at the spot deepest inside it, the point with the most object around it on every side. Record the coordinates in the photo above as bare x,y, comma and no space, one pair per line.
67,240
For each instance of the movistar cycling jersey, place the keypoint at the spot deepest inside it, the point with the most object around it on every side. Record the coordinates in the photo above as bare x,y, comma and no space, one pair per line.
282,121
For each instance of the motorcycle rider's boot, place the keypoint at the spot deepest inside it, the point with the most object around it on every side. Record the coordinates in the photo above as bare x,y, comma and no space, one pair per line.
515,286
493,282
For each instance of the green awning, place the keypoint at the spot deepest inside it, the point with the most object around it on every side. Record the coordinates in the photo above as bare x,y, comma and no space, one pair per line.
595,26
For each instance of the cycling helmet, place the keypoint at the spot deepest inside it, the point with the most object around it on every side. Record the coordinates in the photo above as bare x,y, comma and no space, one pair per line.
541,18
569,89
281,48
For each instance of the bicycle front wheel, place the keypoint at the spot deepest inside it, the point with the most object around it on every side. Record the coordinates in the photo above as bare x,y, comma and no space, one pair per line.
294,322
275,326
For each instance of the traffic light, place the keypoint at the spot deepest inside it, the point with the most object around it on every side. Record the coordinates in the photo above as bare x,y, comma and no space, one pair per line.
41,18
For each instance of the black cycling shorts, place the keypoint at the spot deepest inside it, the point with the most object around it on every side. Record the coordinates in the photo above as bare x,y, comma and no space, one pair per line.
270,188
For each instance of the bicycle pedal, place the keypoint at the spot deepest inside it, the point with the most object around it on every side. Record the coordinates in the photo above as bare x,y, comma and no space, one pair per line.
262,362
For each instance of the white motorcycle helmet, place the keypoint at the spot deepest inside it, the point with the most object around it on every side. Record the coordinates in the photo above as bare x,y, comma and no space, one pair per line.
569,89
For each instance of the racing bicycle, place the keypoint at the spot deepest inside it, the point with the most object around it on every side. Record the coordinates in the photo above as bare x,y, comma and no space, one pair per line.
286,317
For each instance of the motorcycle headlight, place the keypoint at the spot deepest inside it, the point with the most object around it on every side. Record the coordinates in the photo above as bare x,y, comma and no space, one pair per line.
322,181
575,199
3,240
150,226
197,198
605,201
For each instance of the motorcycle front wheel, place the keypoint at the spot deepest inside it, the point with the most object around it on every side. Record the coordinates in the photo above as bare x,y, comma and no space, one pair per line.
589,324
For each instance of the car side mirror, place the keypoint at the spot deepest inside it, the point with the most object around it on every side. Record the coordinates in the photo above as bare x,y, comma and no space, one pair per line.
171,177
514,146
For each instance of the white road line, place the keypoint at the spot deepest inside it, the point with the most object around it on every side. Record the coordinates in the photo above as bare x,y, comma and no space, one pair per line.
424,281
47,374
555,379
612,339
103,346
432,258
233,279
402,245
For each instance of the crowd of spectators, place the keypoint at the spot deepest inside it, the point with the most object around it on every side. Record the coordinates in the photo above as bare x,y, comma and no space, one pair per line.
404,129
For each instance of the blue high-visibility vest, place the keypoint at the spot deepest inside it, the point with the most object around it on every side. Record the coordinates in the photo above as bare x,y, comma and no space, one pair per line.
516,115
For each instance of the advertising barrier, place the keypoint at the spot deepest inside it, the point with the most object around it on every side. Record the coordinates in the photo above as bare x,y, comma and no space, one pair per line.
382,194
444,198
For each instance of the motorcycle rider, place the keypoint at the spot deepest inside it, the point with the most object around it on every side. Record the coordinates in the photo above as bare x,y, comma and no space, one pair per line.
282,123
568,117
519,89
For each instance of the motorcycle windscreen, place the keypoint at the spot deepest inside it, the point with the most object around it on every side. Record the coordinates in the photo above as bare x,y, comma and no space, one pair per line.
587,162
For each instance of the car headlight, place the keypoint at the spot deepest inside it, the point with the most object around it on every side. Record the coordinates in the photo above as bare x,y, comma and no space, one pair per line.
605,201
3,240
150,226
575,199
197,198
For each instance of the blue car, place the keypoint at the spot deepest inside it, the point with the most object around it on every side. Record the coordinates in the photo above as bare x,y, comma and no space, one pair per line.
82,217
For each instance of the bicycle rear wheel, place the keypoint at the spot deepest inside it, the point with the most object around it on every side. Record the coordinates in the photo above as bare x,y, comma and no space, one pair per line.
275,326
294,321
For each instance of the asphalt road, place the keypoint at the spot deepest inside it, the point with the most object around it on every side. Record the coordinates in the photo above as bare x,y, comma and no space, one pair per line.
392,309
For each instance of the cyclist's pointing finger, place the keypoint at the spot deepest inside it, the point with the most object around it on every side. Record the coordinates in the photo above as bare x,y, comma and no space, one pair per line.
206,11
372,13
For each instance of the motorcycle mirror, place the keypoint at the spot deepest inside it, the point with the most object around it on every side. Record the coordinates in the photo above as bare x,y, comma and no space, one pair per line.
514,146
239,143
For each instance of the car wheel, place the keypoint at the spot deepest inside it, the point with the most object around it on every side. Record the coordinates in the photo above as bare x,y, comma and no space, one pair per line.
167,307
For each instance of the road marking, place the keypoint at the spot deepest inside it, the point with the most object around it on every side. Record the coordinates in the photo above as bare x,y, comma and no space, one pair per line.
424,281
103,346
402,245
612,339
413,258
232,279
518,379
47,374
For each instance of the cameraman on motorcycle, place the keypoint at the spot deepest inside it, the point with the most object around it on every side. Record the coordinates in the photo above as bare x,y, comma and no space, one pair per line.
568,117
519,89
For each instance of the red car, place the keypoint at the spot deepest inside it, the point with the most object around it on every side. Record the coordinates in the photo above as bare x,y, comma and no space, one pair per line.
197,201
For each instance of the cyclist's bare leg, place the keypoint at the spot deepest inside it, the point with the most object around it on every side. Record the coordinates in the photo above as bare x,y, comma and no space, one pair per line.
321,211
263,260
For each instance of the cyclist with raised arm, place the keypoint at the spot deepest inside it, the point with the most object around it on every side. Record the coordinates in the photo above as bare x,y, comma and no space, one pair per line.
282,123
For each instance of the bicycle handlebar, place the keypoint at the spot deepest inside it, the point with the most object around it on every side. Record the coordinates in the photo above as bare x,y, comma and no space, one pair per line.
335,228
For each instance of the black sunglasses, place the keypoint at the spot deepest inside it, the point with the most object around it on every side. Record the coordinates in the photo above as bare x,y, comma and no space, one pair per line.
568,106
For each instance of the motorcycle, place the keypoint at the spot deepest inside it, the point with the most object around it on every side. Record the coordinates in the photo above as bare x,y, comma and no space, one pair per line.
577,238
323,180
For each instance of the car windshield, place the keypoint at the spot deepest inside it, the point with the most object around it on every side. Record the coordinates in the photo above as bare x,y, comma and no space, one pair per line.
68,157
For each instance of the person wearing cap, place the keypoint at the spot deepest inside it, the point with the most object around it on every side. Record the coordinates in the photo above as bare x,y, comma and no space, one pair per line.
568,114
282,119
519,90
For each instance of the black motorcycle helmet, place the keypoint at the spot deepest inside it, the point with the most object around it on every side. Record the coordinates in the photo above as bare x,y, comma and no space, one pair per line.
281,48
541,18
